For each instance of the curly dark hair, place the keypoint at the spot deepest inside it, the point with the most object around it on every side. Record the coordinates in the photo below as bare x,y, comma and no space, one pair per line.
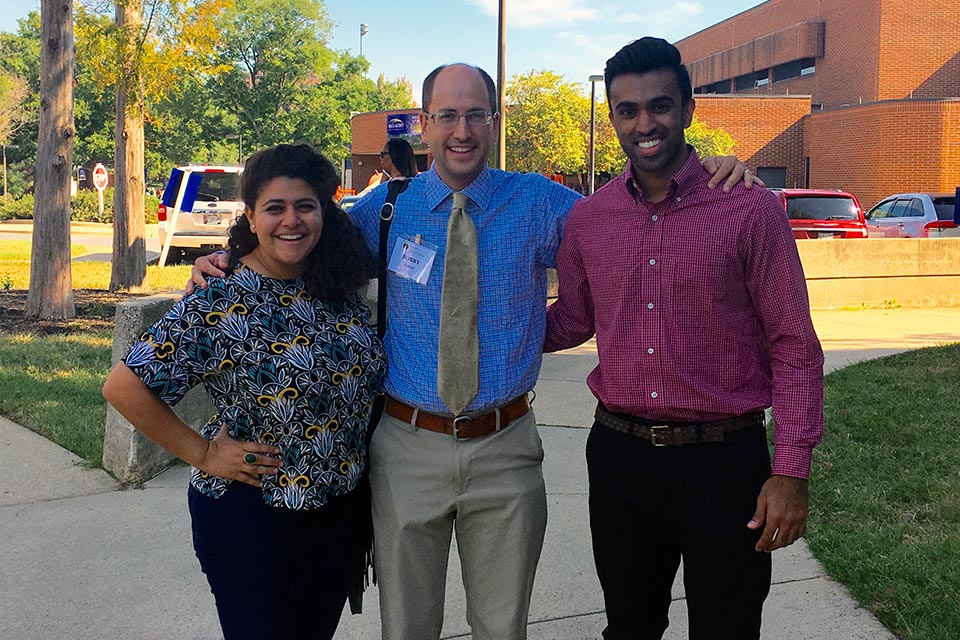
340,264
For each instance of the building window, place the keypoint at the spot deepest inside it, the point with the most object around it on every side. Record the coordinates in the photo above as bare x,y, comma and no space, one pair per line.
717,87
751,80
794,69
773,177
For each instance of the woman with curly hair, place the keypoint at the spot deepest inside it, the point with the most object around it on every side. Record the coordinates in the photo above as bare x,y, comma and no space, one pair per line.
283,347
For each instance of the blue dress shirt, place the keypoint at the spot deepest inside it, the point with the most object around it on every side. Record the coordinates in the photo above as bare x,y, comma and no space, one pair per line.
519,220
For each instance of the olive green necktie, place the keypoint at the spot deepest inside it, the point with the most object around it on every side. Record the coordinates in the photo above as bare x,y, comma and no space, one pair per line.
458,354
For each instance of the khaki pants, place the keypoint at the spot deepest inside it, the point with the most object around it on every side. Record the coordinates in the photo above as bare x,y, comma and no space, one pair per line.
490,491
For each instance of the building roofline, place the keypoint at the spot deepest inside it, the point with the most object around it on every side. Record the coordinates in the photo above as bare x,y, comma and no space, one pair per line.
717,24
755,96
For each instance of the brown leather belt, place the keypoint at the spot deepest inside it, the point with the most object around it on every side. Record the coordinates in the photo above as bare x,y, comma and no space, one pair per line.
465,426
677,434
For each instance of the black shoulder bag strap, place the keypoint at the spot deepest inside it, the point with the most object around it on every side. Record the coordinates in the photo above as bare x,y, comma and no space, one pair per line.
394,189
362,579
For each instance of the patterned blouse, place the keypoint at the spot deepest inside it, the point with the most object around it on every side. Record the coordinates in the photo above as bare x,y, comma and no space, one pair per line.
281,368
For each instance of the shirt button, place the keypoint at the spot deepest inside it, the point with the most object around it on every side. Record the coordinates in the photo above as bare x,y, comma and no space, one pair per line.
652,262
649,305
678,199
650,350
653,394
654,217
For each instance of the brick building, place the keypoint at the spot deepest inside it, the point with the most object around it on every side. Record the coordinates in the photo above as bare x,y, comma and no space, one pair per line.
862,95
370,131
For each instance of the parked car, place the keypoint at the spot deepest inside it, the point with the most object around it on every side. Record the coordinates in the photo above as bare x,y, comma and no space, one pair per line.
199,205
821,213
912,215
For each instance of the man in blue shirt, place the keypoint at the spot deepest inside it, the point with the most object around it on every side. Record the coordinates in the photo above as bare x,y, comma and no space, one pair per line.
485,481
426,483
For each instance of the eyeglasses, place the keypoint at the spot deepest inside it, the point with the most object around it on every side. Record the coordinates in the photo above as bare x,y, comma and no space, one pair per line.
448,118
384,153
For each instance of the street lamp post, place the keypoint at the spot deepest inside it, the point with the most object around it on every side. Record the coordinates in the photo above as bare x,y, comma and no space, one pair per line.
593,125
12,146
363,32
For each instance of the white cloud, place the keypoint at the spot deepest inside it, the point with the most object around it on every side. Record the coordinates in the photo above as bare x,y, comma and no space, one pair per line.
539,13
674,15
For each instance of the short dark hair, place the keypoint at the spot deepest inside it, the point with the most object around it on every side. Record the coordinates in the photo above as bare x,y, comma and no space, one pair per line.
649,54
340,263
402,157
487,80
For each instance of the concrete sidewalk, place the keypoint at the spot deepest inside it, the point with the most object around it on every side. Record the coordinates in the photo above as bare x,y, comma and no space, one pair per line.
83,559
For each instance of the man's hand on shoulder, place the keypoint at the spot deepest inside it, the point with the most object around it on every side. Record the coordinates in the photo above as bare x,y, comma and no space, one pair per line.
210,265
732,169
781,511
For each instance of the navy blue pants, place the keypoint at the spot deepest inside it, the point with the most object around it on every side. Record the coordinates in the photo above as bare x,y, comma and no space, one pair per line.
275,572
650,506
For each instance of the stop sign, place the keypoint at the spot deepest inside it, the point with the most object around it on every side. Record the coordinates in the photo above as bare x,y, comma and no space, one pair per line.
100,177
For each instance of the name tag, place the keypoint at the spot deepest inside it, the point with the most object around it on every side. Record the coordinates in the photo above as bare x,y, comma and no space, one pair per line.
412,260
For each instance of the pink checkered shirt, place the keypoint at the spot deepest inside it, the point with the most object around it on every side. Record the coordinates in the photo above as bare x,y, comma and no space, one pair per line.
699,306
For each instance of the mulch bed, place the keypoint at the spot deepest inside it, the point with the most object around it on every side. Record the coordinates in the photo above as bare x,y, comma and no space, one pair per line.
95,312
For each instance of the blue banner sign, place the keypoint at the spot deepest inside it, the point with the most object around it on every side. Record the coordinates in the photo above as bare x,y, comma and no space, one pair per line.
402,124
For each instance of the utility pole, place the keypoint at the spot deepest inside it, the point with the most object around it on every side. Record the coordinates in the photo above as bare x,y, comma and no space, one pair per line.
501,86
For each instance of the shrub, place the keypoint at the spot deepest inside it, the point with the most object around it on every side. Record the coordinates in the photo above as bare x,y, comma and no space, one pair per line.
84,207
20,208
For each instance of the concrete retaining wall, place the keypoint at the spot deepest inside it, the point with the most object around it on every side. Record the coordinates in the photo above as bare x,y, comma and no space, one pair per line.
127,455
877,272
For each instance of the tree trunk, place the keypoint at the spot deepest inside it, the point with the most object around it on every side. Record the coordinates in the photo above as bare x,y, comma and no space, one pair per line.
129,246
51,292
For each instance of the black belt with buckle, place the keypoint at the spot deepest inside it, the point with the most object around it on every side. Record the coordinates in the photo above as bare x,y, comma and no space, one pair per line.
677,434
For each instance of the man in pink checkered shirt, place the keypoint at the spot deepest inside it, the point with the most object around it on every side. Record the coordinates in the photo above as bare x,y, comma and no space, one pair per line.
700,310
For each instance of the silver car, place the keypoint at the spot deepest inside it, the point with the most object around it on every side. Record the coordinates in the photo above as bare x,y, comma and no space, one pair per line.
911,215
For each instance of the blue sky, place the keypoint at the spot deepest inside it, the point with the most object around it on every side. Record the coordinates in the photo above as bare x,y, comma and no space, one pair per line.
572,38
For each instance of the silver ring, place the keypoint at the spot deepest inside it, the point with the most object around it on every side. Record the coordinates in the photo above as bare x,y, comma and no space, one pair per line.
250,458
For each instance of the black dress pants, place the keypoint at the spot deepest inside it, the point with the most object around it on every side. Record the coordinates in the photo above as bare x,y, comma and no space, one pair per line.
650,506
275,572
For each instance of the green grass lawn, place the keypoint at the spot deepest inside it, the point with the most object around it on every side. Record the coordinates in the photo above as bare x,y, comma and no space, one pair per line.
885,490
15,270
51,381
51,384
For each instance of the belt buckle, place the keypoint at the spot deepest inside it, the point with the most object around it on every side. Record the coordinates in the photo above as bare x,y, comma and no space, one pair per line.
456,427
661,431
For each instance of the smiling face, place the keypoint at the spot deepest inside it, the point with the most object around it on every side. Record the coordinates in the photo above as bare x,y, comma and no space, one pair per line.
459,154
288,221
649,119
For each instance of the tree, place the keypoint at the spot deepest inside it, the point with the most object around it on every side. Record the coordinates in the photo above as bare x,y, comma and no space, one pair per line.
20,56
547,124
51,293
129,265
13,113
142,58
271,48
707,141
